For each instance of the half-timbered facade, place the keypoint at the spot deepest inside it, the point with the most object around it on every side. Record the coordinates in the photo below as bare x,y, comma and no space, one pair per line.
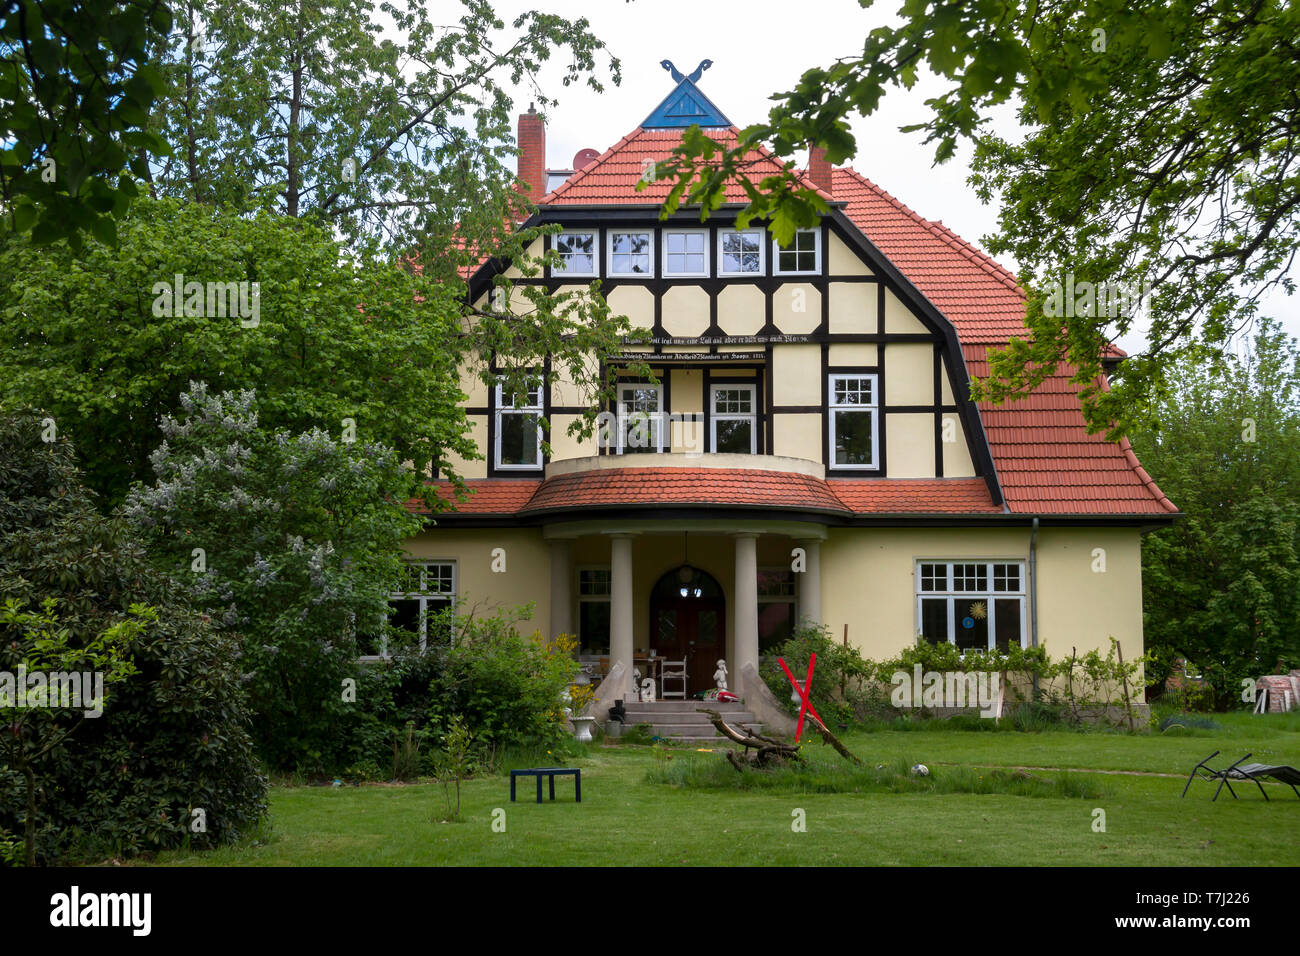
807,448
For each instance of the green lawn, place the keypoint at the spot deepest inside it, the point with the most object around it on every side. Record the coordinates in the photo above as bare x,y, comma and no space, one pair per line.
625,819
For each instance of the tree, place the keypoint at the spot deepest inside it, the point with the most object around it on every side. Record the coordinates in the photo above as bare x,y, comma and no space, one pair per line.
1222,585
102,341
385,124
76,592
292,543
77,82
1160,155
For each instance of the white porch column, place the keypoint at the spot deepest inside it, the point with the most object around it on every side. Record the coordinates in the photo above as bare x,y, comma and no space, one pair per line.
561,588
620,610
746,615
810,582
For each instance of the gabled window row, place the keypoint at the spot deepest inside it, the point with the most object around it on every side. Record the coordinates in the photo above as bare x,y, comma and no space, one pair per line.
684,253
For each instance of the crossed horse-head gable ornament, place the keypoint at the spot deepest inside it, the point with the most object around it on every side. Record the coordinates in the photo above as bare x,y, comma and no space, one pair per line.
676,74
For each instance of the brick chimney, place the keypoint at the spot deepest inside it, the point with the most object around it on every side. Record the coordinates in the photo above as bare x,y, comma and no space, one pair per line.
532,153
819,171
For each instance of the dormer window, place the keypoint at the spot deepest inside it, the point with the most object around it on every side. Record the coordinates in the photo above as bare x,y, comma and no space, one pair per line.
577,251
740,252
802,256
686,253
631,253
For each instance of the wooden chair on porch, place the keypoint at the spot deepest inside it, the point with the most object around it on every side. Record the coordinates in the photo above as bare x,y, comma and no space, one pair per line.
674,671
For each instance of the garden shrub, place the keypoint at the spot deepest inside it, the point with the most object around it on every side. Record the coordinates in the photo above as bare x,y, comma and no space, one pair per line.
506,689
174,736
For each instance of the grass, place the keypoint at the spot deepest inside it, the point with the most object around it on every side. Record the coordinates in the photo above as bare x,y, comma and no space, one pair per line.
973,809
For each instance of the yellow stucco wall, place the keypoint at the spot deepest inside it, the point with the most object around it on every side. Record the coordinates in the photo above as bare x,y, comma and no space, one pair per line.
898,318
797,375
527,567
478,433
842,260
868,583
565,446
685,310
843,355
634,301
909,373
797,436
741,309
957,461
909,441
796,308
852,307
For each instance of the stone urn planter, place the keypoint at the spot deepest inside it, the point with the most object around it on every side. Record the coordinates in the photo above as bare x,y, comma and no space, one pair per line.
582,728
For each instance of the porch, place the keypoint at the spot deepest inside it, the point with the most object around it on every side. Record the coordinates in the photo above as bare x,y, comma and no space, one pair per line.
640,592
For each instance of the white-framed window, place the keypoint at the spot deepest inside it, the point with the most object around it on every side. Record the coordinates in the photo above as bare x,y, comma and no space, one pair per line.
595,591
733,420
631,253
974,604
853,422
577,251
740,252
802,257
776,607
518,442
640,418
428,589
685,252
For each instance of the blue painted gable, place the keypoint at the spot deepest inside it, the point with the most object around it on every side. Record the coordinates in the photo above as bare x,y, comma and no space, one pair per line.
685,106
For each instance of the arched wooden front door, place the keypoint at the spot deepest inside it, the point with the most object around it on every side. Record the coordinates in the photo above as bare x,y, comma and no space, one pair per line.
688,621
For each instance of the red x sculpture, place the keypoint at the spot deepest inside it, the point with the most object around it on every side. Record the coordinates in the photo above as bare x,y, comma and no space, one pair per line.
804,693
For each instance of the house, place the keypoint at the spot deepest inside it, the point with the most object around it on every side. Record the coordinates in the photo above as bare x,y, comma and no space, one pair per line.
808,449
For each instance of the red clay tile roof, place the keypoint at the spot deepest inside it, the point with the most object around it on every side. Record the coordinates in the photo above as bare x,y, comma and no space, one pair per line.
1045,459
612,178
916,496
487,496
752,488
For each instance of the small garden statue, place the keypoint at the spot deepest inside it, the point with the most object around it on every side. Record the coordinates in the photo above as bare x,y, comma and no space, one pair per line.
648,690
720,675
635,692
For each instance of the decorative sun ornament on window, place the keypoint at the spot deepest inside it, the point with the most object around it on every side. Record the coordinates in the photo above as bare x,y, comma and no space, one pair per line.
979,610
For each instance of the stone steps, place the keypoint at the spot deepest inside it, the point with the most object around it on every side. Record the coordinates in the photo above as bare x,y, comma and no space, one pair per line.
679,721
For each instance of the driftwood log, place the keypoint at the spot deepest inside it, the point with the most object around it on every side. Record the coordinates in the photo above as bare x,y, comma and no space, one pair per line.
767,751
830,738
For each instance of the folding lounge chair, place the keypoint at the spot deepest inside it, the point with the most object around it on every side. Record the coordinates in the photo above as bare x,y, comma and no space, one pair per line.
1240,771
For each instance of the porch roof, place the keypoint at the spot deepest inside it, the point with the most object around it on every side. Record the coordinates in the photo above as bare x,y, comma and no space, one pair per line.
649,487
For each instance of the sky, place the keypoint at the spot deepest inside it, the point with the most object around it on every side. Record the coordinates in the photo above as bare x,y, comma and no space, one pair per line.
759,50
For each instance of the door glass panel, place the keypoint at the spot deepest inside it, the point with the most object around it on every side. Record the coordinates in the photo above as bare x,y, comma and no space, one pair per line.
708,625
